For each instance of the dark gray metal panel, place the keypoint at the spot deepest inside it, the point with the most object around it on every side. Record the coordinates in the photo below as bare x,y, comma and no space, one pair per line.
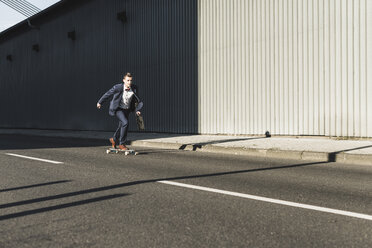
58,87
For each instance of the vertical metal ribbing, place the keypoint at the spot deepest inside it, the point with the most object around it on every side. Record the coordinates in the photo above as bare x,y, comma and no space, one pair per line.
156,44
304,69
292,67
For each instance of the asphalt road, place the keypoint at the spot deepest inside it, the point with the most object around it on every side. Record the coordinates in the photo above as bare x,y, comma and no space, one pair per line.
92,199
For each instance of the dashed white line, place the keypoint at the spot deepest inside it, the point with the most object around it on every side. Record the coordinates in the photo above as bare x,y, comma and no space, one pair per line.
33,158
270,200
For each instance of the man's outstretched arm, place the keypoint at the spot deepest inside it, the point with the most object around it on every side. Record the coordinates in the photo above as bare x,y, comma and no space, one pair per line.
105,96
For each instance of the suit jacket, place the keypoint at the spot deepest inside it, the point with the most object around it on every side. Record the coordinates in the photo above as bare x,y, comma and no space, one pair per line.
117,93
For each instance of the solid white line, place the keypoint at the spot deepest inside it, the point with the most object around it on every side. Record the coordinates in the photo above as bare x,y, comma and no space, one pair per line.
38,159
265,199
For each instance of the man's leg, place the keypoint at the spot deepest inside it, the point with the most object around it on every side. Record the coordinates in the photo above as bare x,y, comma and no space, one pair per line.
117,133
115,138
122,115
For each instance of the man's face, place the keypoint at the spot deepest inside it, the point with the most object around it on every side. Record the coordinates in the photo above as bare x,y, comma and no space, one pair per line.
127,82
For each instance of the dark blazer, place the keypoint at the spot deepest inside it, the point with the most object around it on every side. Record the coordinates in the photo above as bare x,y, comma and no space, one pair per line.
117,93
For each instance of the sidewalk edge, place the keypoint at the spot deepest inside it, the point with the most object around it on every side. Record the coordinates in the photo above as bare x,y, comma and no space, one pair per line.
270,153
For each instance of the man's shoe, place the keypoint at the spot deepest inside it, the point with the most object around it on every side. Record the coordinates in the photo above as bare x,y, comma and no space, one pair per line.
123,147
113,143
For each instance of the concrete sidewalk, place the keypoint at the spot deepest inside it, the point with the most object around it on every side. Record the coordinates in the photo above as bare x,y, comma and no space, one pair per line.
310,148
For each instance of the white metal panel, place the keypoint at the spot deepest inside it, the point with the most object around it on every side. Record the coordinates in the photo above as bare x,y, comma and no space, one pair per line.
363,69
292,67
368,16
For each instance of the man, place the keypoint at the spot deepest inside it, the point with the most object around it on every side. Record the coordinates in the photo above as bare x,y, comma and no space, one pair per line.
124,101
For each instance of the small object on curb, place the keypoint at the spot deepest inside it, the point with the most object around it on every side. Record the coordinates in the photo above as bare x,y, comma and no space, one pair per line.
267,134
116,151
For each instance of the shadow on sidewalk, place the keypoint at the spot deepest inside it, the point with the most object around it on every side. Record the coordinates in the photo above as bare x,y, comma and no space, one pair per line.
25,141
196,146
332,155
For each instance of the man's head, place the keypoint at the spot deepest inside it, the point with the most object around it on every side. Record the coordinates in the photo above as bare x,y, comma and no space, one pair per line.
127,80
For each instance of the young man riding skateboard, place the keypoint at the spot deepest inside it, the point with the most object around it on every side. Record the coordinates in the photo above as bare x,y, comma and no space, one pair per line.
124,100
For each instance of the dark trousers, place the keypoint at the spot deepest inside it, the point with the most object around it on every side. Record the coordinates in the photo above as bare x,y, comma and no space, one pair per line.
122,130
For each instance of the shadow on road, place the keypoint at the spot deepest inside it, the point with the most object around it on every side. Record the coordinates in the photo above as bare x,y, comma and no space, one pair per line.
34,185
15,142
60,206
332,155
121,185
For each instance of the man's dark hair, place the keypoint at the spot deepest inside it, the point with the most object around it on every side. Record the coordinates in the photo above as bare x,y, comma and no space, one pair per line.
128,74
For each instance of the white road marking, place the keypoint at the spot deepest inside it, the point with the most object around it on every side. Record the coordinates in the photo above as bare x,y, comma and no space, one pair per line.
265,199
38,159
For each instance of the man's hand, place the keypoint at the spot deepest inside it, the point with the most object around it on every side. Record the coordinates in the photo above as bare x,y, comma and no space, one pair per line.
98,105
138,113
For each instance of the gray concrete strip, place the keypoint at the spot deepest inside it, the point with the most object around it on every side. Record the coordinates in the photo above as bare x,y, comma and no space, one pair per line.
365,159
270,153
313,149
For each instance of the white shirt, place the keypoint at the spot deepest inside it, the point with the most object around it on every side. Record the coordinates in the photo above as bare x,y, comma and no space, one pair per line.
126,99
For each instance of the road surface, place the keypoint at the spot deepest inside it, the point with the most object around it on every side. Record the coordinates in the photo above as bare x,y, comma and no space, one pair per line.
57,192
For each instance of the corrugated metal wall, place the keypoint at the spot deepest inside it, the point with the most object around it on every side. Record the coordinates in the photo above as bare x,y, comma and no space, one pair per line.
293,67
58,87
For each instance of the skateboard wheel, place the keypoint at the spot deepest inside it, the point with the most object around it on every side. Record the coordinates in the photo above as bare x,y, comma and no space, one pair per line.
107,151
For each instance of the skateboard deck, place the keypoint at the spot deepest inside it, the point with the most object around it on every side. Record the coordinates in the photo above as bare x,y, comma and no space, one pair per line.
126,152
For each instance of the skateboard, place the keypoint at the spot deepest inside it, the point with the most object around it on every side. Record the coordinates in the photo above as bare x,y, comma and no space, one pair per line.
126,152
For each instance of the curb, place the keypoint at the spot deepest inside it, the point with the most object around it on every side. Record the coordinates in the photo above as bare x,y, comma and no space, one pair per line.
269,153
341,157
